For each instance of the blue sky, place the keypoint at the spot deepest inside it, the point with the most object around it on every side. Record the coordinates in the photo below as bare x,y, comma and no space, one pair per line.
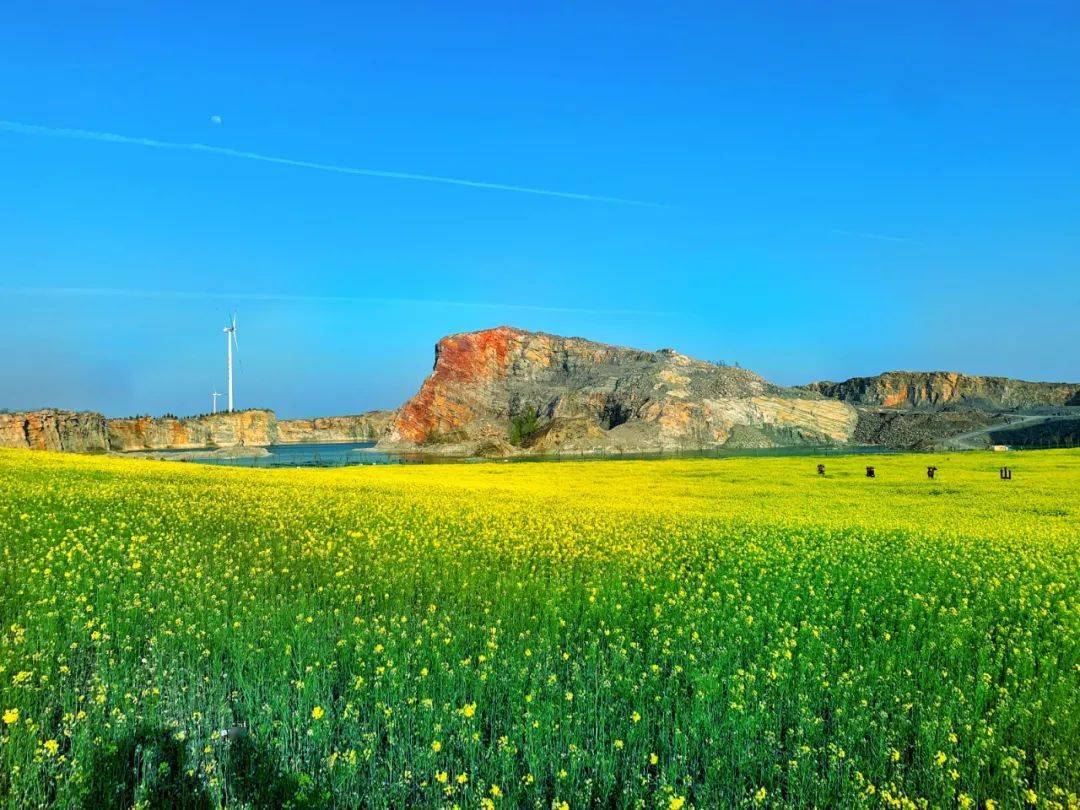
834,189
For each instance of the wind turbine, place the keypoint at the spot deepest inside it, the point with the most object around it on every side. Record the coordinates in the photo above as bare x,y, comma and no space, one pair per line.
214,395
230,343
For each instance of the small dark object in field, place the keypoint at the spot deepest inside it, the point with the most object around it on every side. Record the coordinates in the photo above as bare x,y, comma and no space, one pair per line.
870,473
820,469
1006,474
230,734
930,472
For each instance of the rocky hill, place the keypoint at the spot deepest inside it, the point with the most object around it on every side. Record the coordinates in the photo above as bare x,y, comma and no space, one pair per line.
505,391
940,389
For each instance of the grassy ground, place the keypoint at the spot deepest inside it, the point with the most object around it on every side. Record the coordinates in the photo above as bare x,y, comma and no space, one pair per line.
660,634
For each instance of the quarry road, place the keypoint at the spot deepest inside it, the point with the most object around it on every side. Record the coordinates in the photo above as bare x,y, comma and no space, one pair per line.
979,439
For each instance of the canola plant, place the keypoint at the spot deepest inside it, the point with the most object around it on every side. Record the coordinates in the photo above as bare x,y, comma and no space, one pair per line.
673,634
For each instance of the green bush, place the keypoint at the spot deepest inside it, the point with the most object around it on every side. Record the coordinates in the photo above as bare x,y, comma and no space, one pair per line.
523,425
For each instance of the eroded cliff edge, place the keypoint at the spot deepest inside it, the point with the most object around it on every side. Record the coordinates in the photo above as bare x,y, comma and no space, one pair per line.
506,391
923,410
51,429
941,389
87,432
361,427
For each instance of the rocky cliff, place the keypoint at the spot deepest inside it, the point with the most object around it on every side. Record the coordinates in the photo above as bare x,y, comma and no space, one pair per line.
506,390
361,427
252,428
49,429
91,432
939,389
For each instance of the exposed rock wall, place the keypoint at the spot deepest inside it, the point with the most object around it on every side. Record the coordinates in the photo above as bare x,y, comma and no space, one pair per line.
361,427
253,428
49,429
91,432
937,389
592,397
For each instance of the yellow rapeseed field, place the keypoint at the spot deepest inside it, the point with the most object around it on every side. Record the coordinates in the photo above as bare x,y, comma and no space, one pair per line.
672,634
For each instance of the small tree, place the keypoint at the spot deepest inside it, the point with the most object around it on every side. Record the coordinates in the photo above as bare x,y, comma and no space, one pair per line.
523,425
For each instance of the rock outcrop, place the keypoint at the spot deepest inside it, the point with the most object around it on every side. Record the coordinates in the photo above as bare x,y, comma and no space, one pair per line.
50,429
368,426
506,390
251,428
940,389
86,432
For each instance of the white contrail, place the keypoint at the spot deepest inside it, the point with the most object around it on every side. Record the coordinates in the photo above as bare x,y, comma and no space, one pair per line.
188,295
109,137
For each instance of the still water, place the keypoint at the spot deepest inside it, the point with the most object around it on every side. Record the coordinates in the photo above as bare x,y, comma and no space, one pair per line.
342,454
355,453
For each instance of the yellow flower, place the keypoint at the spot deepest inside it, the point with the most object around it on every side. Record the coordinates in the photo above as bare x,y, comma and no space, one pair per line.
569,696
759,797
1031,796
496,791
436,746
676,802
940,758
462,778
11,717
619,745
653,759
51,747
317,713
441,777
558,805
469,709
964,801
635,717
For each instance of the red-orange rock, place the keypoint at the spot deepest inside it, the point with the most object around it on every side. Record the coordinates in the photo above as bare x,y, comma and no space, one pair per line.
581,396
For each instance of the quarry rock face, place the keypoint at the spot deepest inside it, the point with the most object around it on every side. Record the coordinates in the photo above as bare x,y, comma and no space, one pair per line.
361,427
87,432
252,428
939,389
49,429
507,390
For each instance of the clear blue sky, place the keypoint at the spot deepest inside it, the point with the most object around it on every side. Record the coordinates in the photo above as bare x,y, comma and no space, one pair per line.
839,189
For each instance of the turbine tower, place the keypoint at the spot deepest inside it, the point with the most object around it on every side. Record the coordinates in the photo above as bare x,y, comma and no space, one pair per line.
230,343
214,395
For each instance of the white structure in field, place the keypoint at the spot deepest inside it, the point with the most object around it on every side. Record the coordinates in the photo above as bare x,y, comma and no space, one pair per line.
214,396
